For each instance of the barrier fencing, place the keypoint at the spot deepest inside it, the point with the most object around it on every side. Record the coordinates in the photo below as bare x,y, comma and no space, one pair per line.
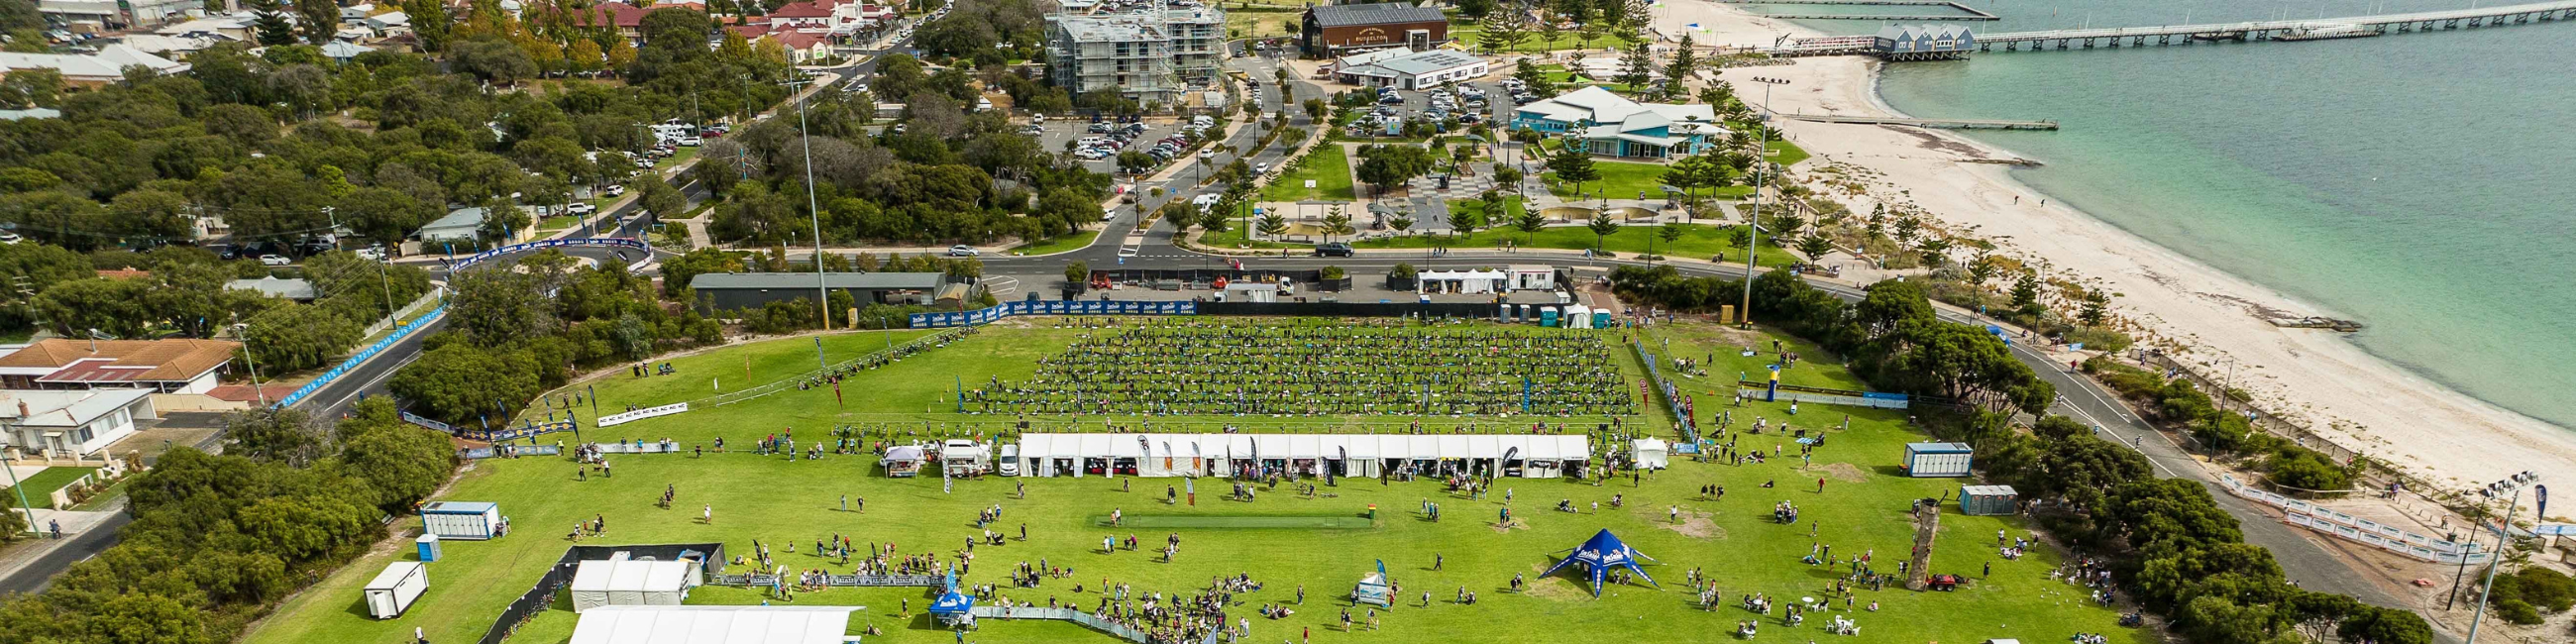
600,242
763,580
1673,400
1772,392
542,596
508,451
1050,307
1075,616
361,357
2357,529
640,414
915,346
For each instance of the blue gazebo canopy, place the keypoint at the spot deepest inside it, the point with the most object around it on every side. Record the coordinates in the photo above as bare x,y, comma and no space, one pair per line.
1601,553
952,603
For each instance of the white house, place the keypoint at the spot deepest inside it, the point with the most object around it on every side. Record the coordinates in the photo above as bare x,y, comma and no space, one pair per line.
91,70
1403,69
67,423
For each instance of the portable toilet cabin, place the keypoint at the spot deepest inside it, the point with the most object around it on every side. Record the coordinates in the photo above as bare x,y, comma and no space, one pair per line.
460,519
1937,459
1547,316
1506,316
1526,316
1987,500
394,589
429,550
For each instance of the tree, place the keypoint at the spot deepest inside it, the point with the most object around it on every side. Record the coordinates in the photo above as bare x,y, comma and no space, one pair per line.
504,305
1815,247
461,383
2025,295
402,463
1337,223
1685,62
1573,166
1529,221
1785,223
1589,31
1670,232
1508,28
269,25
1936,251
297,337
1077,273
275,435
1983,269
1907,227
2095,303
1315,109
1273,225
494,60
320,19
1602,227
1402,222
1532,77
1466,220
1637,68
1549,31
1387,166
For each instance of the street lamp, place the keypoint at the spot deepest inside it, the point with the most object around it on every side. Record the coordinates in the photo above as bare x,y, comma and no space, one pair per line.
242,330
814,213
2511,490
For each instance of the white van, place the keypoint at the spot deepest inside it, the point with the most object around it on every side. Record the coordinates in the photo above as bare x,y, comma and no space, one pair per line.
1008,464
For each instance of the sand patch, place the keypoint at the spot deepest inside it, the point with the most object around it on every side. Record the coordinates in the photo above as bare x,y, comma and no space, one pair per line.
1845,472
1697,525
1555,589
1508,526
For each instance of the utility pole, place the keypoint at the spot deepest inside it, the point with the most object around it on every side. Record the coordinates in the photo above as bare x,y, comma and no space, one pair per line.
1761,165
813,212
2511,489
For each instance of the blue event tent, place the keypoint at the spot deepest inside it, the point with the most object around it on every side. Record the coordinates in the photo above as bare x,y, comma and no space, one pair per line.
1603,552
952,606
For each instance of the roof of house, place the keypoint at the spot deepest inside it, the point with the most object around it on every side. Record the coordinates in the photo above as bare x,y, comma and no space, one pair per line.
810,9
879,281
799,40
619,14
340,49
1602,107
1913,32
293,289
30,113
109,63
1352,15
68,360
1109,28
64,408
1425,62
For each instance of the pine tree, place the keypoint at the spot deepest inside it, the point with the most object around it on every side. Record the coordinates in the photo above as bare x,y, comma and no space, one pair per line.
1685,61
270,25
2025,294
320,18
2095,307
1637,69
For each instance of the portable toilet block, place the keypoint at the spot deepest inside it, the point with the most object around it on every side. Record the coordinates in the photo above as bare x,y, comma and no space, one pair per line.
428,548
1937,459
1987,500
460,519
1602,320
1526,316
1547,316
394,589
1506,315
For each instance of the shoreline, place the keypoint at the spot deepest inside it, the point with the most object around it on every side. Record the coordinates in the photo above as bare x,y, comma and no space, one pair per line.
2318,379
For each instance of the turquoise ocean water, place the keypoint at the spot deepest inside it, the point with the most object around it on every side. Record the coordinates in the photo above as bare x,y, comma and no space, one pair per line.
2424,184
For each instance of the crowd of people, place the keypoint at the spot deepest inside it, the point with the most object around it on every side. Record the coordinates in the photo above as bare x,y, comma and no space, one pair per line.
1300,369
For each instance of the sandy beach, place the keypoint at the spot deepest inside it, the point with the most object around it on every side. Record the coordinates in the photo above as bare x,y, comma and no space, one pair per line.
2313,376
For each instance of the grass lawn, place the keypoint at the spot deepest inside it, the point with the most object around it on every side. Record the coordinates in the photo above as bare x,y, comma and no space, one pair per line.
40,488
731,369
1061,243
1237,236
1699,241
1329,166
1861,509
1784,153
683,155
1261,22
558,222
1531,44
1623,180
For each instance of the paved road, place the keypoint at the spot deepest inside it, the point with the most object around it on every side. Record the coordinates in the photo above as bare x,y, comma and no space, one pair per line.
35,575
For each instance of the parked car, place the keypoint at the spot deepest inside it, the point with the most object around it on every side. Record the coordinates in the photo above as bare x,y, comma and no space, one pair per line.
274,260
583,209
962,250
1335,249
371,253
617,190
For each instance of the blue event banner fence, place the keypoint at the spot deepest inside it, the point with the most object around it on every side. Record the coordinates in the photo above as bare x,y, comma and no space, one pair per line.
1051,307
361,357
1672,396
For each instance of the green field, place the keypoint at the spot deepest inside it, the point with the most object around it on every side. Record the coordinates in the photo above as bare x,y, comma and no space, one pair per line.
1329,166
1533,43
40,488
777,501
1699,241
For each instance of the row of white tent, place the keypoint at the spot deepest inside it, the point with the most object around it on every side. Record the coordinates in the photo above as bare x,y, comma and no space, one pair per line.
1366,455
633,582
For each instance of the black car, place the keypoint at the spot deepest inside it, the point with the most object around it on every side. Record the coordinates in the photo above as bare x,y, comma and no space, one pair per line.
1335,249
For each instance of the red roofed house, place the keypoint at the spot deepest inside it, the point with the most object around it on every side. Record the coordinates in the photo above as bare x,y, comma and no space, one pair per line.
166,366
627,18
802,45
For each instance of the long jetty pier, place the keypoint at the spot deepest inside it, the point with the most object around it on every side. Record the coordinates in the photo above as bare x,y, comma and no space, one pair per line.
1966,13
1946,124
2116,37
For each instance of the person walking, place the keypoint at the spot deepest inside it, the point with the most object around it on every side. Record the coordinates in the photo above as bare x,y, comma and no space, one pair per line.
708,516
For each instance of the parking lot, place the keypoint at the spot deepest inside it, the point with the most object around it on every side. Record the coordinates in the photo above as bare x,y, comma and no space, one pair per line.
1437,105
1058,132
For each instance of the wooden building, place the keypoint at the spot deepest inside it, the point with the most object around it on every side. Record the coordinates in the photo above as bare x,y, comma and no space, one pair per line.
1336,29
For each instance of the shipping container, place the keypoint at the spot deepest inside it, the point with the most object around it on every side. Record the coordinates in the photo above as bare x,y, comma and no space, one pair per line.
394,589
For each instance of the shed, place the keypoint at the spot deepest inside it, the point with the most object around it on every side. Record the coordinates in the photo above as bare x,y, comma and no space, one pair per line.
1533,277
1938,459
1987,500
393,590
1463,282
461,519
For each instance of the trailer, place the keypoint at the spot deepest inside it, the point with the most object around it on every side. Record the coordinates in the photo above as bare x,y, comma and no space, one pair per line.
394,589
1938,459
461,519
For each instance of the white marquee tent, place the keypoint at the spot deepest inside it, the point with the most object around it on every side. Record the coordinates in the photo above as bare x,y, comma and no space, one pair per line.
1158,455
713,625
603,582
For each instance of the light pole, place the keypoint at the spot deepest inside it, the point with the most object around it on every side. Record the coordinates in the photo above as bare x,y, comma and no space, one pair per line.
814,213
242,330
2511,489
1753,222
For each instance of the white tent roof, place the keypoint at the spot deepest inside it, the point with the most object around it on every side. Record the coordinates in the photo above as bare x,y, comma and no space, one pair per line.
1651,445
1452,446
1124,446
1095,446
1542,448
1361,446
1422,447
633,576
713,625
903,453
661,576
1481,446
1037,445
1573,448
592,576
1305,446
1272,445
